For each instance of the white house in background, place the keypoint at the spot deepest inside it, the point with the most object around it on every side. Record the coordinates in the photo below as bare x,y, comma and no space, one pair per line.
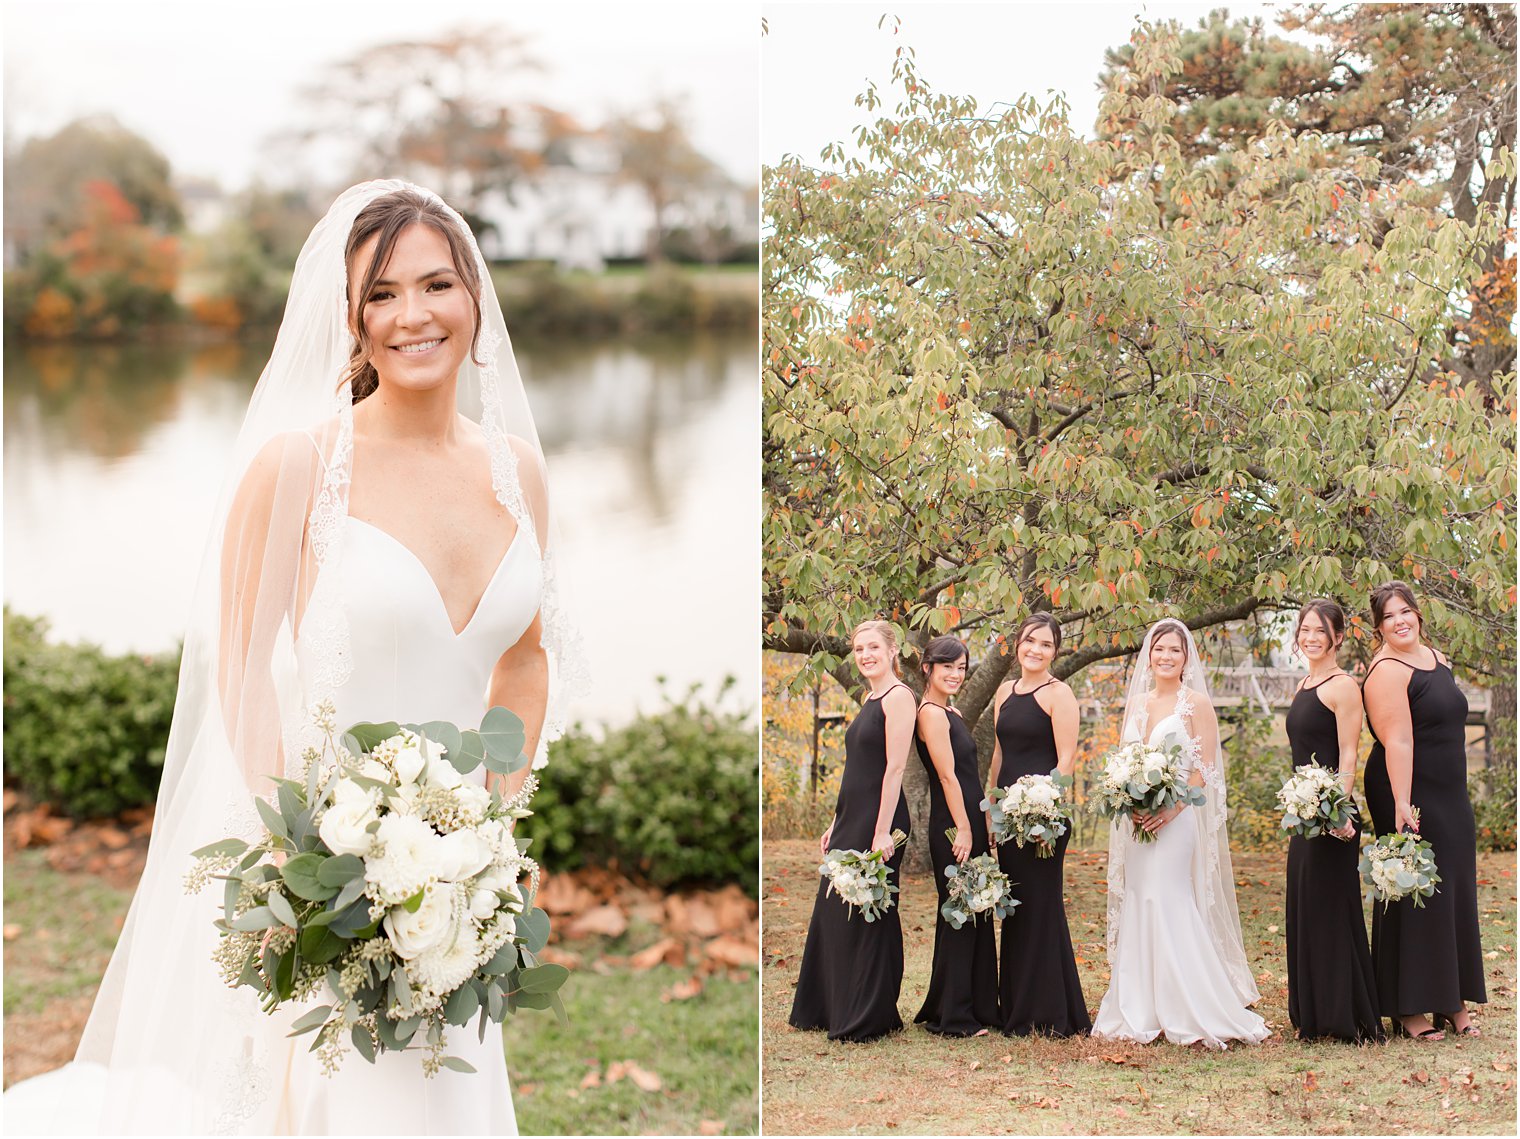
579,215
205,206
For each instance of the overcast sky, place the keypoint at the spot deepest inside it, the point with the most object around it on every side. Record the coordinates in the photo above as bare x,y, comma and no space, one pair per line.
817,57
207,80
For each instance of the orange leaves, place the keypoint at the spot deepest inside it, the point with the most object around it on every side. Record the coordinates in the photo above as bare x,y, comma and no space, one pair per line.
1211,554
942,400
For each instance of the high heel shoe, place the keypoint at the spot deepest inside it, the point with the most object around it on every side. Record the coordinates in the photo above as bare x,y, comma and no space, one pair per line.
1430,1035
1442,1019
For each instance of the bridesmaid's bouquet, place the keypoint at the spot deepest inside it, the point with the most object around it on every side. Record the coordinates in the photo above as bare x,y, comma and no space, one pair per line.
1399,866
977,886
389,887
1314,801
1033,808
860,878
1138,777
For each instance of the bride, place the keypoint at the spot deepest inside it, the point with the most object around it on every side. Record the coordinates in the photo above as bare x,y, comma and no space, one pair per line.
382,544
1175,956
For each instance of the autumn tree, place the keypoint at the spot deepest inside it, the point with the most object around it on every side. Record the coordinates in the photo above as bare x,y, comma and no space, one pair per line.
655,153
1007,368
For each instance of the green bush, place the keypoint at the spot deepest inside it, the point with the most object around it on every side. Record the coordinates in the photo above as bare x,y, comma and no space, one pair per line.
1255,772
84,731
1493,796
672,797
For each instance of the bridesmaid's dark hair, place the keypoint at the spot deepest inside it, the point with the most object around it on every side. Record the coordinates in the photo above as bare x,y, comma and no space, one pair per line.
1330,613
1038,621
1175,627
388,216
1385,593
943,650
886,632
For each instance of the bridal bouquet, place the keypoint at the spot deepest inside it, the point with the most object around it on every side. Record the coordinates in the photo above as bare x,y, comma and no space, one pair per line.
390,885
1314,801
977,886
1033,809
860,878
1138,777
1399,866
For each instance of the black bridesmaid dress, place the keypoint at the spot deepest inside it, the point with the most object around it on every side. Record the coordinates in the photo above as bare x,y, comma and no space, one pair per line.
851,973
1331,991
1430,959
1039,989
962,996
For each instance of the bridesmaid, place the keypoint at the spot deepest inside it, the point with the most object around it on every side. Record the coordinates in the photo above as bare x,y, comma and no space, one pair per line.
962,997
851,972
1038,988
1331,992
1427,960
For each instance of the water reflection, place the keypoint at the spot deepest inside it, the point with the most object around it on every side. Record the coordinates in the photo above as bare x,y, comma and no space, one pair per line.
114,457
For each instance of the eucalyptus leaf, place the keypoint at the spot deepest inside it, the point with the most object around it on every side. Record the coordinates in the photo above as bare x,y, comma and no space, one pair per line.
471,753
271,817
260,917
280,906
443,733
227,847
455,1064
340,869
311,1021
301,875
363,1042
367,735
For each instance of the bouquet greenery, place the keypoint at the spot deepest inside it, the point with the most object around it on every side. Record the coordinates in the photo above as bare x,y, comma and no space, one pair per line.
860,878
1399,866
1033,808
1138,777
392,886
977,886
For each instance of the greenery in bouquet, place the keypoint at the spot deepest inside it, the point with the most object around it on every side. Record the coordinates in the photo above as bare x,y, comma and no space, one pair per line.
860,880
392,886
1033,808
977,886
1399,866
1314,802
1139,777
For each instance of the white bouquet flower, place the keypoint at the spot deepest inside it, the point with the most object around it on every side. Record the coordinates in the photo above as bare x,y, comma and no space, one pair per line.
1399,866
977,886
860,878
1138,777
389,881
1033,808
1314,802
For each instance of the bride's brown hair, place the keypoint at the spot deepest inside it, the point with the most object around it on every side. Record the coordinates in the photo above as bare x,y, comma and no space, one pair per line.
389,216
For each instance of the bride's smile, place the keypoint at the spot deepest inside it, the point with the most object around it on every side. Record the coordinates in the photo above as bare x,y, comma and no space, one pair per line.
417,315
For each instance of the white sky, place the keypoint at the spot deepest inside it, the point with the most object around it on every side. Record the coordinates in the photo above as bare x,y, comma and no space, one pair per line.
817,57
207,81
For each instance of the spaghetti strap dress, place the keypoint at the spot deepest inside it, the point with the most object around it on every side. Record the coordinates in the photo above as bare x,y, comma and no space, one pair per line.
851,973
1039,989
1429,959
1331,990
962,996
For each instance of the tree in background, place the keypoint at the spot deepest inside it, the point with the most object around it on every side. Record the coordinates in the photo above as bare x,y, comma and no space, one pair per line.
46,180
656,154
1007,369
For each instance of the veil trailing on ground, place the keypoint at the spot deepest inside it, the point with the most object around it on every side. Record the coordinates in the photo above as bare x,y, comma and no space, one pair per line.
1213,878
169,1048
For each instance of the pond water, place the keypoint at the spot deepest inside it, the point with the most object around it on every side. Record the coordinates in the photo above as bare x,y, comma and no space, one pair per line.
114,460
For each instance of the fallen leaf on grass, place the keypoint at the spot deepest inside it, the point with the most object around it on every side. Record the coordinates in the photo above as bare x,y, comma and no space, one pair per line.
975,1064
1007,1058
734,951
1420,1077
602,921
1311,1082
1499,1065
682,990
711,1127
667,949
14,931
526,1089
644,1081
592,1079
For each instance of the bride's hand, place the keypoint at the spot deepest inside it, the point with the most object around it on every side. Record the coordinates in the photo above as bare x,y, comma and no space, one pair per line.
1154,823
1139,819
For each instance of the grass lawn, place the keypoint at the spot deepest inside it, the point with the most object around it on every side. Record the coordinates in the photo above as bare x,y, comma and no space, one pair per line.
923,1084
703,1049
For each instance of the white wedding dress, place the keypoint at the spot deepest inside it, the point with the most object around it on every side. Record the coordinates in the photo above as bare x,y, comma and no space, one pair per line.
1167,976
406,663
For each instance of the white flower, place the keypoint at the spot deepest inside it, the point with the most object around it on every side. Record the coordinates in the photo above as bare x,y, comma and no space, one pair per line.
473,800
462,855
447,965
408,762
345,825
435,923
442,773
410,860
373,769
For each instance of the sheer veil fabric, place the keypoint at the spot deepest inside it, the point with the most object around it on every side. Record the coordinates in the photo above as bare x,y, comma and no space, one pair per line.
168,1048
1213,880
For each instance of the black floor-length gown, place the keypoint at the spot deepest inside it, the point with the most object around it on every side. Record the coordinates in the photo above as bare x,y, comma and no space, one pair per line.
1430,959
851,973
1331,990
1039,989
962,996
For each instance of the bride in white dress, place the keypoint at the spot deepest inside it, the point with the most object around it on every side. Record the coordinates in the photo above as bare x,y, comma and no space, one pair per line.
1177,965
383,544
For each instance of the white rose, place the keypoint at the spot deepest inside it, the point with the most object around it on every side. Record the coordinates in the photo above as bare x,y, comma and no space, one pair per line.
410,861
374,769
435,923
461,856
345,825
473,798
442,773
483,903
409,762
